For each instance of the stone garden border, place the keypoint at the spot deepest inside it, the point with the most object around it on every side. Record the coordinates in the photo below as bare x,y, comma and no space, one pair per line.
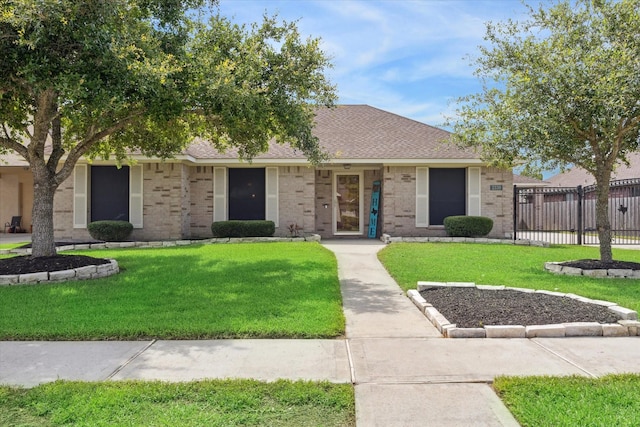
627,326
105,270
168,243
520,242
80,273
557,268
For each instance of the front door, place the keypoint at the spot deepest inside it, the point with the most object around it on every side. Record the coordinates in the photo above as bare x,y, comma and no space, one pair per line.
348,197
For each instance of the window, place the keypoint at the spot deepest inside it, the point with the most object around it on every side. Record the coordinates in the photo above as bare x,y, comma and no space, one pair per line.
443,192
109,192
245,194
447,194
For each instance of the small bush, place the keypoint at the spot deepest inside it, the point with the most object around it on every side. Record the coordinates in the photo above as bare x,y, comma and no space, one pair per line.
467,226
236,228
110,231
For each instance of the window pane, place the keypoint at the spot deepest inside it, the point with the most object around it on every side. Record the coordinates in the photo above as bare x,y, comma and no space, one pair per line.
348,195
447,194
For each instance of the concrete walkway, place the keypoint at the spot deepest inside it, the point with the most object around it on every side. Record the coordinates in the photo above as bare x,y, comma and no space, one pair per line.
404,372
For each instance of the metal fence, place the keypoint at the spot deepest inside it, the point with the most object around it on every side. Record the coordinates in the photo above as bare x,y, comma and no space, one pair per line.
567,215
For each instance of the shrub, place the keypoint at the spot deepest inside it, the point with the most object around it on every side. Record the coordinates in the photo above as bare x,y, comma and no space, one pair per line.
236,228
467,226
110,231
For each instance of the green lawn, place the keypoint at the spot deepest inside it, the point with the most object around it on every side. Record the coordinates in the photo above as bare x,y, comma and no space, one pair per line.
205,403
265,290
518,266
12,245
572,401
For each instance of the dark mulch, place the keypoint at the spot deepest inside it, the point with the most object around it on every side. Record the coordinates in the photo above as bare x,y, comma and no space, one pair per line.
59,243
596,264
474,308
28,264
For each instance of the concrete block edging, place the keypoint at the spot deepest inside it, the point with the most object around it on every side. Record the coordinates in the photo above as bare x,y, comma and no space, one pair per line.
80,273
387,239
627,326
557,268
105,270
168,243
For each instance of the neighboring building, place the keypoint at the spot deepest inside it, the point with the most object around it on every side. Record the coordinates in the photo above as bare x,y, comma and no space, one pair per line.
578,176
423,180
560,206
528,182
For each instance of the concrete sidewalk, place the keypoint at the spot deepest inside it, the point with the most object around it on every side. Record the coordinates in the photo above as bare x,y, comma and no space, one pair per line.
404,372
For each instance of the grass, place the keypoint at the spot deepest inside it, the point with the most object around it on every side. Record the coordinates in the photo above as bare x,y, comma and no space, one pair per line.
210,403
261,290
612,400
12,245
517,266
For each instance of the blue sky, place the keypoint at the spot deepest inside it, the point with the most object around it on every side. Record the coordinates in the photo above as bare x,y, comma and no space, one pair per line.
410,57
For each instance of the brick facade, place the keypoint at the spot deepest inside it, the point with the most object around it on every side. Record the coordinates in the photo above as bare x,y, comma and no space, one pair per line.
296,195
497,204
201,203
399,202
178,202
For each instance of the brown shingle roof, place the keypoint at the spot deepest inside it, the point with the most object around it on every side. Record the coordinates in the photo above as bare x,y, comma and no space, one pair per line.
360,132
578,176
524,181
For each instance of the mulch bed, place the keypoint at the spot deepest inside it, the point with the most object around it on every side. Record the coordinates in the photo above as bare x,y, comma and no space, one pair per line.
596,264
475,308
28,264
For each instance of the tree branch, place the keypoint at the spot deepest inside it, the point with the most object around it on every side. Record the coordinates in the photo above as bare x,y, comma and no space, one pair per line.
14,145
82,147
45,111
56,139
578,130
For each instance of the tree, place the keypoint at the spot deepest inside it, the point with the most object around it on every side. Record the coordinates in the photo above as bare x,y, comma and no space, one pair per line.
561,88
100,78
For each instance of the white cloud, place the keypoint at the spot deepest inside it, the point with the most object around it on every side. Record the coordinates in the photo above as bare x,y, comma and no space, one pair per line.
399,55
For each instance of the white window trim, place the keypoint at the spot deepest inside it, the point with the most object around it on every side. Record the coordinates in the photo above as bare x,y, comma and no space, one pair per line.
474,198
271,199
136,206
422,199
334,216
80,176
220,211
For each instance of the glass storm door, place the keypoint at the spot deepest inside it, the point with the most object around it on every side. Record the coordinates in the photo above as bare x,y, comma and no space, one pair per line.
348,197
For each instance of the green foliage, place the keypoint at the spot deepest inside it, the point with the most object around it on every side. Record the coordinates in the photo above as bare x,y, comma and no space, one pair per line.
187,292
102,79
613,400
110,231
508,265
237,228
467,226
210,403
560,89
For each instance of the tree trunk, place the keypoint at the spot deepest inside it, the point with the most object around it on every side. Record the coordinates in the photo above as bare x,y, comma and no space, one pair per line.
42,241
602,219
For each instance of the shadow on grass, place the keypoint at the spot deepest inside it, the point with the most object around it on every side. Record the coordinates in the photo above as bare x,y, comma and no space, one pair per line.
185,293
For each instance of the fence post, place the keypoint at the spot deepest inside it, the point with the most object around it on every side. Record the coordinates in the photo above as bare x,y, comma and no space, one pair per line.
580,212
515,211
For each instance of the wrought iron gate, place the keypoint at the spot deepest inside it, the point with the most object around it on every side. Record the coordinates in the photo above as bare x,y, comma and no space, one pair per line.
567,215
